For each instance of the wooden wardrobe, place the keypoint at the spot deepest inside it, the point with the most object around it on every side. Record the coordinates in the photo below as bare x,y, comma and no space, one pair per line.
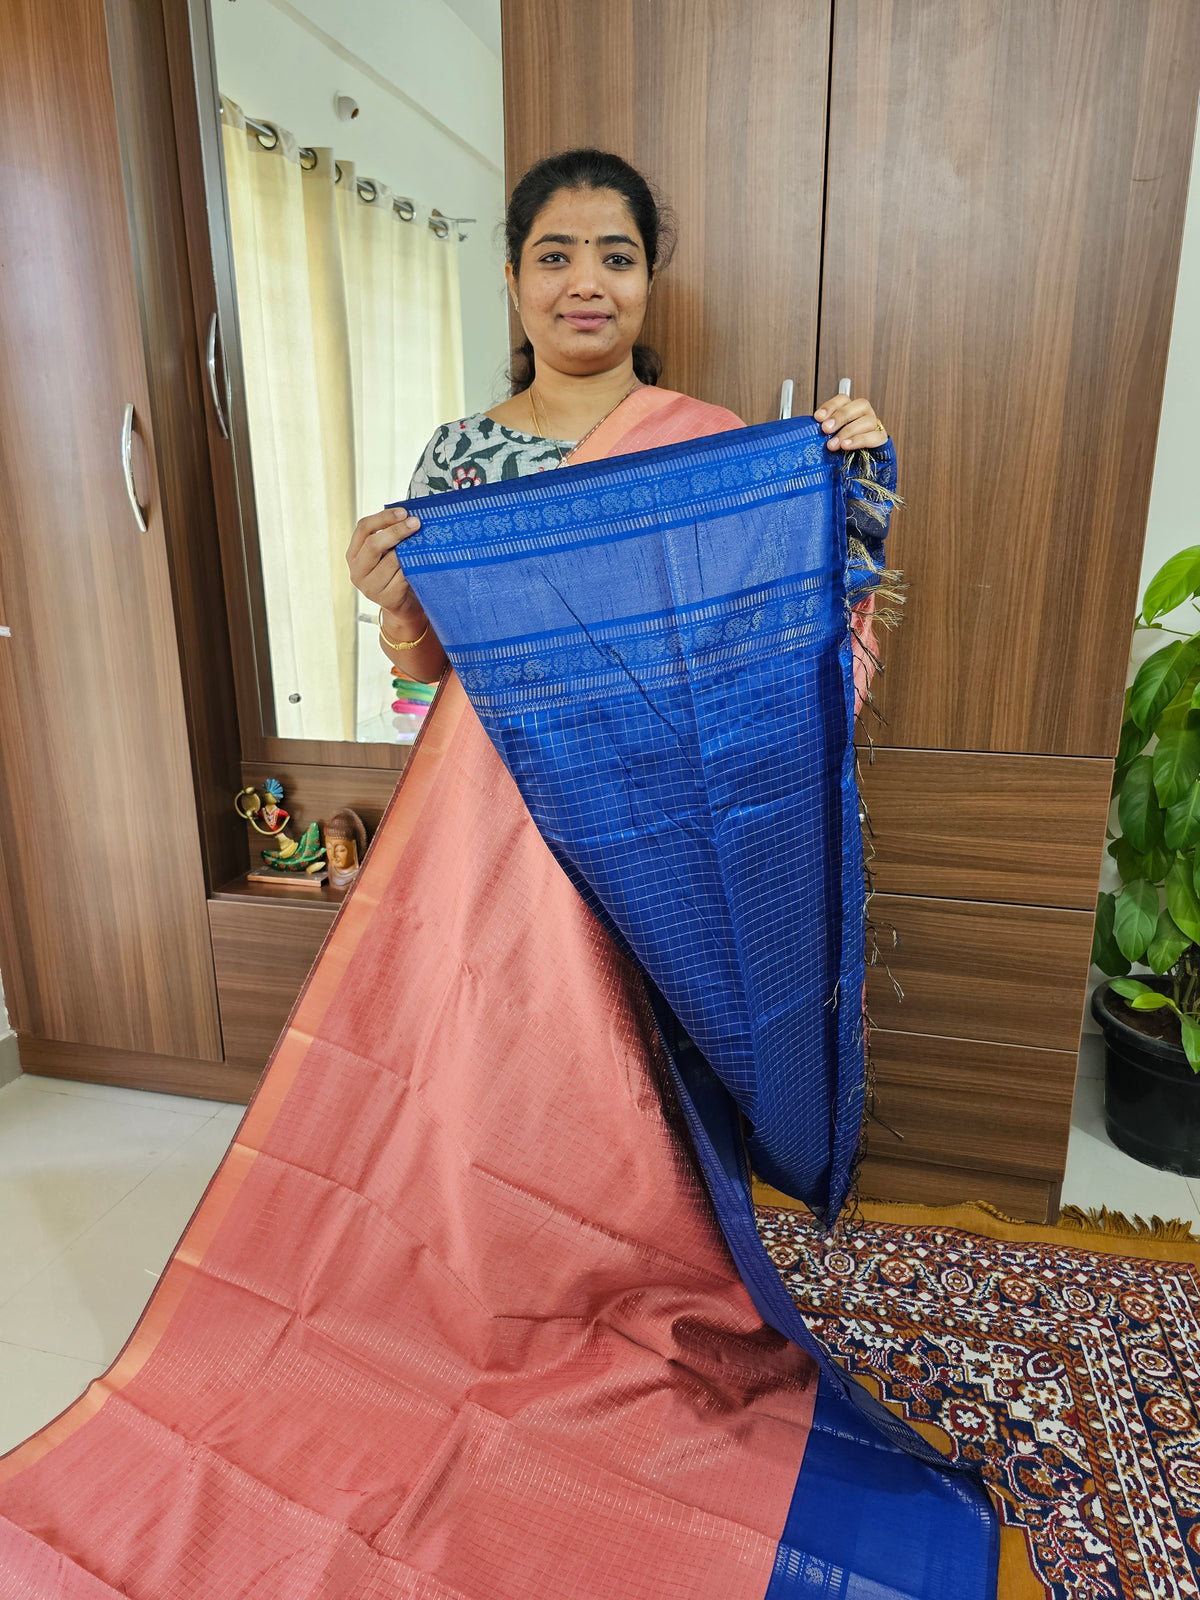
970,207
973,210
114,738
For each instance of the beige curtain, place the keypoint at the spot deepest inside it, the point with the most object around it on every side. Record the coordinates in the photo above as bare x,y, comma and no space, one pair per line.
351,338
405,343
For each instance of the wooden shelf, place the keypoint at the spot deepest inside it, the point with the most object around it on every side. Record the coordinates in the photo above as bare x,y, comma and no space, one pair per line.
324,898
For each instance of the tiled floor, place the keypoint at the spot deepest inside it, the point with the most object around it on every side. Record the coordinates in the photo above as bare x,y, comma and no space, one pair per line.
96,1186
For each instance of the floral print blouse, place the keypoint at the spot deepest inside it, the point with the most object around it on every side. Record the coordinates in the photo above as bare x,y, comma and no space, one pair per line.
477,450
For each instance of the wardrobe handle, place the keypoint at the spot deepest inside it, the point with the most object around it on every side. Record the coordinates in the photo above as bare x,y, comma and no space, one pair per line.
139,516
785,399
210,361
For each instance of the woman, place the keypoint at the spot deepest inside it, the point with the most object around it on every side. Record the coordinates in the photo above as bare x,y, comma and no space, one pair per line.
584,240
584,243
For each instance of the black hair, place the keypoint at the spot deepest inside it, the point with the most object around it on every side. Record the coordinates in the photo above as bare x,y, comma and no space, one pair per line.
586,169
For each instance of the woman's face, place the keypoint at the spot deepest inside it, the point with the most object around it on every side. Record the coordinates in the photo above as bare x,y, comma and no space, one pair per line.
583,283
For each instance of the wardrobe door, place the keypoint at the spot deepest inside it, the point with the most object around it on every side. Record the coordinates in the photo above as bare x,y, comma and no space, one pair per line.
1006,195
1006,198
722,105
103,926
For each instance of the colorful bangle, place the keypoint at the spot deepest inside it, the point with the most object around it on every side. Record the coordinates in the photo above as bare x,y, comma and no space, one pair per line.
405,644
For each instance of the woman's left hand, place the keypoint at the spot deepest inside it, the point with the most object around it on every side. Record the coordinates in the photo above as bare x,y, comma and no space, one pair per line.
851,424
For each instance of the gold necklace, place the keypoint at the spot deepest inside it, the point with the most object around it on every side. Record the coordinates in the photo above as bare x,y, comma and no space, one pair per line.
542,433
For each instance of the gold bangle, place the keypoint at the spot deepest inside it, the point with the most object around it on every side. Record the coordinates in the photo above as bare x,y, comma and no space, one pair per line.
405,644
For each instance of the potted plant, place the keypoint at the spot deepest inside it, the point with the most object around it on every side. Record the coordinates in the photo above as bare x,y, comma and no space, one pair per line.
1151,1025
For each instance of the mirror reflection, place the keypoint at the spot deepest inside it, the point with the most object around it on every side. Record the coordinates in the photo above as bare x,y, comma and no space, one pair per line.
363,150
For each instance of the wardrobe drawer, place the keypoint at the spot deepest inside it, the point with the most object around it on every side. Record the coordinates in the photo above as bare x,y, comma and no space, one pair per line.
976,970
969,1103
918,1183
922,1183
1023,829
262,954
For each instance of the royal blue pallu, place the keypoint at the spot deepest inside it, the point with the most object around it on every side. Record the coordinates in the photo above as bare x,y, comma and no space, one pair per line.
659,647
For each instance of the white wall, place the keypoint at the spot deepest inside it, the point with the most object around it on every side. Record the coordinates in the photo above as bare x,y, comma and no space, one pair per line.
431,125
1174,505
1174,518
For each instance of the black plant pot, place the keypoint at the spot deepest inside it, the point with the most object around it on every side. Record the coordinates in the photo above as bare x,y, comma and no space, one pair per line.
1151,1094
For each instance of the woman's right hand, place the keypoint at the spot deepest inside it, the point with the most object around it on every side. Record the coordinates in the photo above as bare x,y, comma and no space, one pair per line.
371,557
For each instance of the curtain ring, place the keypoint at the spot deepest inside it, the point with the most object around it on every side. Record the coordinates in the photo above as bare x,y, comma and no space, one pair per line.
368,190
405,210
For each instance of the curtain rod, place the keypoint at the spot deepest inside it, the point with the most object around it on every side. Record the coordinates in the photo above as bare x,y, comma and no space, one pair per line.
368,188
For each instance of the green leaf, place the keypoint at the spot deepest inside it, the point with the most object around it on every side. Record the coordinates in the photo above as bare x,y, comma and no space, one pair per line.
1177,715
1156,863
1182,901
1176,762
1171,585
1140,997
1153,1001
1139,813
1133,742
1191,1040
1130,989
1136,918
1180,714
1105,953
1167,945
1155,686
1159,679
1150,864
1181,826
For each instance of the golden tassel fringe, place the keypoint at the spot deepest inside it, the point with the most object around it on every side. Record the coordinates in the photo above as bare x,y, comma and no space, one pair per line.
888,588
1117,1225
860,471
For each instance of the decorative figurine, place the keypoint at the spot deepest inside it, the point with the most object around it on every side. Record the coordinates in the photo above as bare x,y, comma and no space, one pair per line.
345,846
273,814
247,804
308,856
297,865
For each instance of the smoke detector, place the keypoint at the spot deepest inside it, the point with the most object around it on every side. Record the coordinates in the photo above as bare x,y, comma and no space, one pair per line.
346,107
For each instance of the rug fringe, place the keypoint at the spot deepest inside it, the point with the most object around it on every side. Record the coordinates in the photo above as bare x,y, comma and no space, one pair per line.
1117,1224
1074,1219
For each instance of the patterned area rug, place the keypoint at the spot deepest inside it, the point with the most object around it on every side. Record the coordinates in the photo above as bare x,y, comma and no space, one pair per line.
1066,1363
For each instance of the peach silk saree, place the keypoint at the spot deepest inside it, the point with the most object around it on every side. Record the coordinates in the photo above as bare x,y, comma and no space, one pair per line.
455,1319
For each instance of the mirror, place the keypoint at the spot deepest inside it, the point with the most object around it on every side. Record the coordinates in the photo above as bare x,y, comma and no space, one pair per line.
363,165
